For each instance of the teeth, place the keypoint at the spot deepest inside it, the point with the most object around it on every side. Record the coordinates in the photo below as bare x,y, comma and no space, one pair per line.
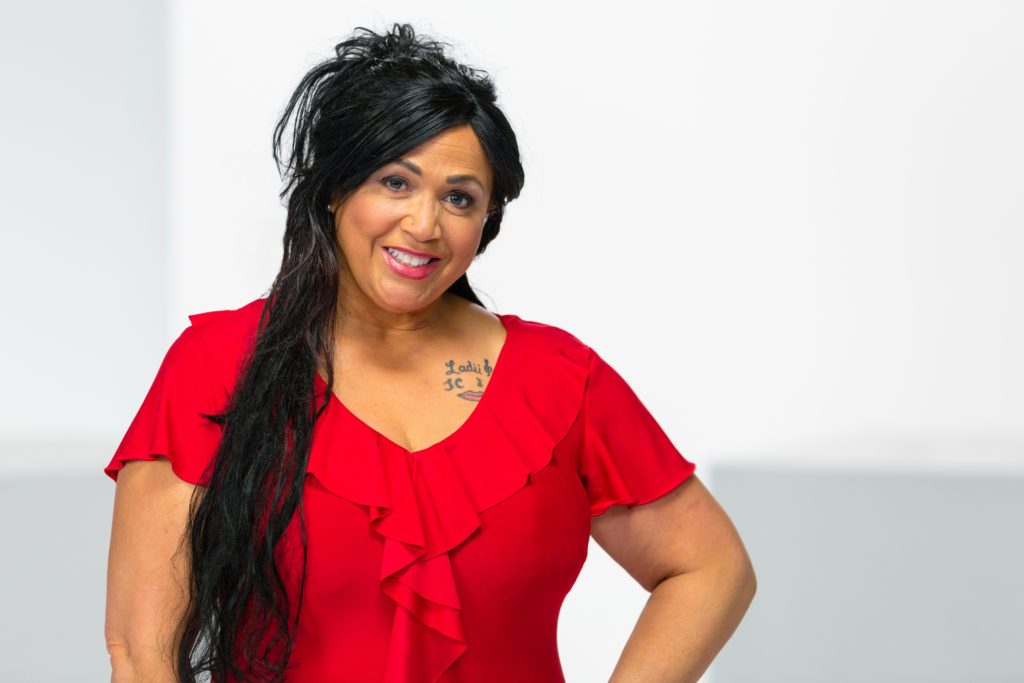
408,259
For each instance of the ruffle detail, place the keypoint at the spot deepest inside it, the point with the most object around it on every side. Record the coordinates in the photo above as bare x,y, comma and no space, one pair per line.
617,422
426,503
169,421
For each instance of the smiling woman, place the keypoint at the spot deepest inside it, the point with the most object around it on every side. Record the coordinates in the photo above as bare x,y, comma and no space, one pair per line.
438,196
365,475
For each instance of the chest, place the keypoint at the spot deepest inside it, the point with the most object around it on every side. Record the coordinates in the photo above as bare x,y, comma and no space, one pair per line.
510,511
422,401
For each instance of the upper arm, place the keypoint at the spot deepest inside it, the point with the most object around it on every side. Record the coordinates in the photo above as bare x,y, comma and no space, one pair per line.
147,567
682,531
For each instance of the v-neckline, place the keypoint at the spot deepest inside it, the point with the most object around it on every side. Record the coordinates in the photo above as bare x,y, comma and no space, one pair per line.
508,321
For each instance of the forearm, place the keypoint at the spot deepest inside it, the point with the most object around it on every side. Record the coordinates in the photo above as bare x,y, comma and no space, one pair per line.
685,623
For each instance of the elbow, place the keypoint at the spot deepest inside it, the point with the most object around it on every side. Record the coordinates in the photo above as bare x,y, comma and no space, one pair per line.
122,667
737,579
749,584
744,580
128,664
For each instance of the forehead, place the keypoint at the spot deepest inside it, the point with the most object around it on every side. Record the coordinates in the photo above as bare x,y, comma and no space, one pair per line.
457,148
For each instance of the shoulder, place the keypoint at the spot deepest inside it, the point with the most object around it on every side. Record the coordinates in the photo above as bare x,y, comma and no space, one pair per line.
541,339
533,335
223,324
226,336
547,344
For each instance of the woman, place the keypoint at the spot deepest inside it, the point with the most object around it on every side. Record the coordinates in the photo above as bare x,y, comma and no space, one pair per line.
366,475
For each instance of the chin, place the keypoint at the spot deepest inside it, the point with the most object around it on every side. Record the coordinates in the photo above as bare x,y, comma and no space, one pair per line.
407,304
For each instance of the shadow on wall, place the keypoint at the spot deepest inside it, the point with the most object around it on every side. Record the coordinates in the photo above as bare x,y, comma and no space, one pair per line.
877,576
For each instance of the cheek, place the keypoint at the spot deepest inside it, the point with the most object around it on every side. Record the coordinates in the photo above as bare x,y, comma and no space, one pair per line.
468,239
363,219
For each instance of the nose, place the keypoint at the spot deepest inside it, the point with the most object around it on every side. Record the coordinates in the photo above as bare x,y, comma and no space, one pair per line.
421,221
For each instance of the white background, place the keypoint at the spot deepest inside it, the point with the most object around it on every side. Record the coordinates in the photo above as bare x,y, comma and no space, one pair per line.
784,222
794,228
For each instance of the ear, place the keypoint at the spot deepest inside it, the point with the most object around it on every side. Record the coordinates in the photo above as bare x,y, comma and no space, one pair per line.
337,202
335,205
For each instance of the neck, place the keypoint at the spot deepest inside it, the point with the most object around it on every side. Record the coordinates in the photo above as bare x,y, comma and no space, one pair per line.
393,332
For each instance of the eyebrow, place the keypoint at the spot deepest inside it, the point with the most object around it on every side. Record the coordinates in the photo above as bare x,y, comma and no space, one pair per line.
453,179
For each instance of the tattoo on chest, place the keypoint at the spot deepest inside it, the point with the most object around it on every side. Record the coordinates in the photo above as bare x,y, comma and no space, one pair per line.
468,379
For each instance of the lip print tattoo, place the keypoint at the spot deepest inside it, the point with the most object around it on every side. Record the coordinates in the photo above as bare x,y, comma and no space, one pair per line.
469,377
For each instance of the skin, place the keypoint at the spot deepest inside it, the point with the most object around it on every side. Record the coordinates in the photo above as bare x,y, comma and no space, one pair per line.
145,586
409,335
406,334
421,211
682,548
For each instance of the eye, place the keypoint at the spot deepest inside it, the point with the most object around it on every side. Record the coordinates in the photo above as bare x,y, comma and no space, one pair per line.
460,200
393,182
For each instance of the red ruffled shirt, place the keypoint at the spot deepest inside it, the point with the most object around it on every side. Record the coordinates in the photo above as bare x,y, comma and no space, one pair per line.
448,563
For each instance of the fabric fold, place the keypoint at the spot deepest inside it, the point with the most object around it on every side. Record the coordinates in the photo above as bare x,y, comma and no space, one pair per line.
616,422
169,422
426,503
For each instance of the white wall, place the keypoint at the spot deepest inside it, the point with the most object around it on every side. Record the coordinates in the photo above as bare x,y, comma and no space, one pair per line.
789,225
83,267
83,276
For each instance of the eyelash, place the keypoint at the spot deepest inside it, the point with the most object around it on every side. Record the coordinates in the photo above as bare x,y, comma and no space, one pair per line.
468,198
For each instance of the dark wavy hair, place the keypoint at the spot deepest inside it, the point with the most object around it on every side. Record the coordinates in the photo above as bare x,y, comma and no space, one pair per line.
378,97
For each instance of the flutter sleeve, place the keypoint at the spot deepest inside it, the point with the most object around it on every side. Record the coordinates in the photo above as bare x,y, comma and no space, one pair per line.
170,423
627,459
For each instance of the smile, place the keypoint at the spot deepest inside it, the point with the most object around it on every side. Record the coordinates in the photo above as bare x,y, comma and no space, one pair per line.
409,259
407,265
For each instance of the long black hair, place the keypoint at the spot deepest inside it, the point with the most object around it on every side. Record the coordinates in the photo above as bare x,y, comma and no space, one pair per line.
378,97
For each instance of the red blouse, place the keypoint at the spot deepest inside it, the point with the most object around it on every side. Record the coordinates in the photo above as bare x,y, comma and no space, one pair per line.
448,563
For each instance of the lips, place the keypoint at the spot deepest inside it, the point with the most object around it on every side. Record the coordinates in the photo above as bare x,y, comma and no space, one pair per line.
418,254
412,272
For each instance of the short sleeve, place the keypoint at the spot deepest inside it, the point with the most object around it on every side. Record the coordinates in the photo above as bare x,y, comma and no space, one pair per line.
170,423
627,459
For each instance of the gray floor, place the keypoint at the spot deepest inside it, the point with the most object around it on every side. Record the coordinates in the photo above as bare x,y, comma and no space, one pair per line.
872,577
56,531
862,577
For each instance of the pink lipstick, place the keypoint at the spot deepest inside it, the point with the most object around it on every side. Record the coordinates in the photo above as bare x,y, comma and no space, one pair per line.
412,272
